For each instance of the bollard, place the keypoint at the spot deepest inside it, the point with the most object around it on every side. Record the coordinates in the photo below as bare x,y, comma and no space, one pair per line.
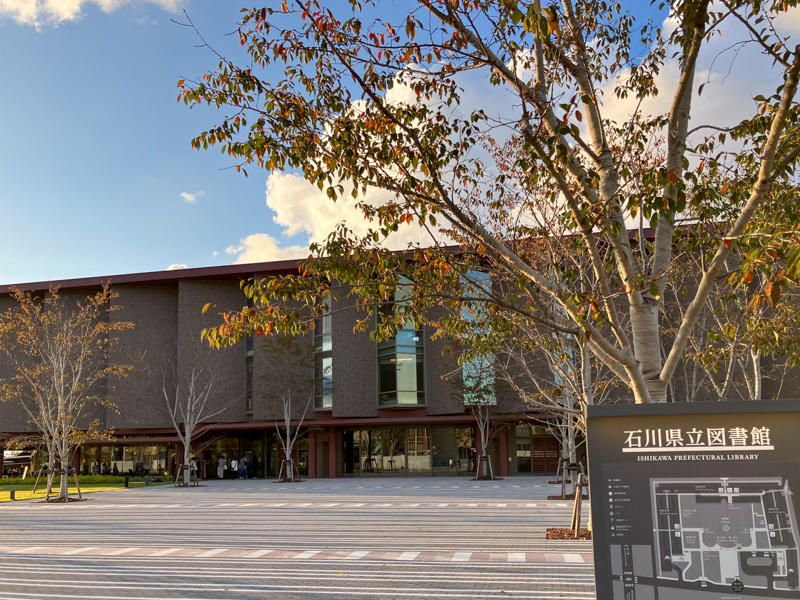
146,480
126,481
13,494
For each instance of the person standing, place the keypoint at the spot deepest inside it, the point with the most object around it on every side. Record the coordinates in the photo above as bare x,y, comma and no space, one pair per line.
221,467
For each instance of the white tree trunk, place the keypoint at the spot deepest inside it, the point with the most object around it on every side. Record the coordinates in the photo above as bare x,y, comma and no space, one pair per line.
647,348
757,380
186,469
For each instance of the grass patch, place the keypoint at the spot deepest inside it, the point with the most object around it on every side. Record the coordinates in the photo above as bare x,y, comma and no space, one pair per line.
89,484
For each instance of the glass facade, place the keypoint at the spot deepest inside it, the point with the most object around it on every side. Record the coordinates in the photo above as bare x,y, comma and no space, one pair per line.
401,369
386,450
478,377
401,362
323,361
127,460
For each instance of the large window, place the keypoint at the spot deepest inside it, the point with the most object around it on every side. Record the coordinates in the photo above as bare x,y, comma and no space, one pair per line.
478,375
323,361
417,449
401,363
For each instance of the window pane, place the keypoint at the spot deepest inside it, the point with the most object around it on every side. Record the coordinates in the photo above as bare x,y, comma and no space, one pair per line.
387,374
407,372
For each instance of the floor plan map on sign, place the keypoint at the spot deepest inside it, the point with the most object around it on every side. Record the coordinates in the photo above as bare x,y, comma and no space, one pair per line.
735,533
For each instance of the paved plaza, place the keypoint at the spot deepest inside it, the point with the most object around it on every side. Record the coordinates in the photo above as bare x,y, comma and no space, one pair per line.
327,538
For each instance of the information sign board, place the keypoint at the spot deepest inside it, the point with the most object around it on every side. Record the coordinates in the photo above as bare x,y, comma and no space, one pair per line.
695,501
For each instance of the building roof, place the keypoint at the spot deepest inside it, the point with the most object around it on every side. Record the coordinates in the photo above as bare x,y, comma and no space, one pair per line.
220,272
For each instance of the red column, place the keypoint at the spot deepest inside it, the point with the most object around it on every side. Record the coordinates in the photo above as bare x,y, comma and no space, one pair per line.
333,454
502,442
312,454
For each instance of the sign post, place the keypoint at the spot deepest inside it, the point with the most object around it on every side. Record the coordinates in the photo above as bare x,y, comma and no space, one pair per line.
696,501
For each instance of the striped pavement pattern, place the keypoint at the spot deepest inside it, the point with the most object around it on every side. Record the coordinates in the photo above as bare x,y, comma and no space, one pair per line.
322,554
383,539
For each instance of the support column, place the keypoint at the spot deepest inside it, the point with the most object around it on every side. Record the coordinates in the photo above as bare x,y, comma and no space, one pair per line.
333,453
312,454
502,442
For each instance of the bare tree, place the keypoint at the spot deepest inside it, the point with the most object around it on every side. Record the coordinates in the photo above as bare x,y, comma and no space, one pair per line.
58,351
288,437
189,407
290,371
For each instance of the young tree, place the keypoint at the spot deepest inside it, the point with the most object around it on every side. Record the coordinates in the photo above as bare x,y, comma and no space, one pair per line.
189,407
290,372
288,437
363,103
58,351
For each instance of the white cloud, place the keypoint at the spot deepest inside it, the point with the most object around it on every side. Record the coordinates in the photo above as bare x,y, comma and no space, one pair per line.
731,75
788,22
53,12
301,207
176,266
191,197
260,247
215,253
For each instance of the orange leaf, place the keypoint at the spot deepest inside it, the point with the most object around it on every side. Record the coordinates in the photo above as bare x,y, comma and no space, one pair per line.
727,242
180,82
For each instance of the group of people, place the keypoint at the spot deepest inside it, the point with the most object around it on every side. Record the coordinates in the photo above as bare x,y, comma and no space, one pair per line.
239,466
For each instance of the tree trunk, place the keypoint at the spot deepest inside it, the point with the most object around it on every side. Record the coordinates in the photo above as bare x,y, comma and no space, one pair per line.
757,387
647,349
51,469
186,473
63,493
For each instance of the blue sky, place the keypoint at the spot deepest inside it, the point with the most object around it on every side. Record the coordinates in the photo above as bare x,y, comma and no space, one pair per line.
96,152
96,166
96,149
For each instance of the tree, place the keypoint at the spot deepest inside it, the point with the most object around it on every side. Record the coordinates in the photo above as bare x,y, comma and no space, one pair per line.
288,437
747,318
290,372
189,407
329,113
58,350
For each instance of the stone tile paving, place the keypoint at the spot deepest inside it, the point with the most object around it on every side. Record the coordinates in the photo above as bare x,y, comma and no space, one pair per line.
342,538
